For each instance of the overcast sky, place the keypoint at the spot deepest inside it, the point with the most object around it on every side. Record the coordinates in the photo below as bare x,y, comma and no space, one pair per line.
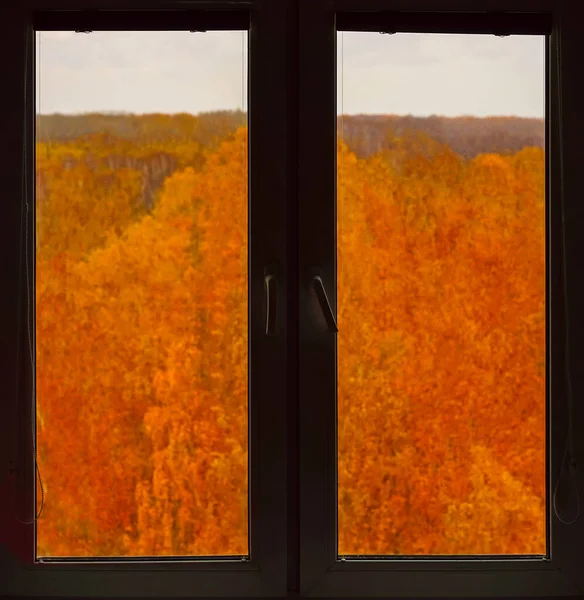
171,72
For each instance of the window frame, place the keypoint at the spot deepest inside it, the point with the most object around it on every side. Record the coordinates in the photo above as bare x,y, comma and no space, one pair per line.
264,573
305,186
323,574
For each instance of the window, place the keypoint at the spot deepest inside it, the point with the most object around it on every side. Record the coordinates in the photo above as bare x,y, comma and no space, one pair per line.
402,488
441,349
151,198
150,363
286,300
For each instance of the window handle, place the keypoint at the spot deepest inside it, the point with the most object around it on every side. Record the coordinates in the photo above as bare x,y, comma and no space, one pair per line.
271,288
324,303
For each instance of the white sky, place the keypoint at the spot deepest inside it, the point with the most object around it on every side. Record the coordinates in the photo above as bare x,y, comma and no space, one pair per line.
418,74
141,71
449,75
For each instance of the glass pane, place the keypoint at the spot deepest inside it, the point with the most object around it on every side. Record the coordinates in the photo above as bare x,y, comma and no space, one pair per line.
142,294
441,295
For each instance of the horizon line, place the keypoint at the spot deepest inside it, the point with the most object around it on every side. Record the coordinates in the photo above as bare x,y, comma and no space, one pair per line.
238,110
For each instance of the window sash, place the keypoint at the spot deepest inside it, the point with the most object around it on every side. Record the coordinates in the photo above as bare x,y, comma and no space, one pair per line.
322,573
456,22
264,574
128,20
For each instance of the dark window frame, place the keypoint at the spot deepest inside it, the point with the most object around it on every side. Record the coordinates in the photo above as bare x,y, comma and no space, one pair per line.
323,572
263,572
309,128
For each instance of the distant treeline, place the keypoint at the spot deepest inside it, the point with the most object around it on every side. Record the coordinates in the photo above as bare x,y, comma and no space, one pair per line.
364,134
204,128
468,136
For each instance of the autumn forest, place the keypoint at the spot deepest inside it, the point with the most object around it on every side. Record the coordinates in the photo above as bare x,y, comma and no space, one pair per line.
142,391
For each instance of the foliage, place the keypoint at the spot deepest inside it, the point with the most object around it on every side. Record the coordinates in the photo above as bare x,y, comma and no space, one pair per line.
441,414
142,363
468,136
142,347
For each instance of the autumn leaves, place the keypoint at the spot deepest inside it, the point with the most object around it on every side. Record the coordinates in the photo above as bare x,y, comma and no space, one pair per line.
142,351
142,362
441,354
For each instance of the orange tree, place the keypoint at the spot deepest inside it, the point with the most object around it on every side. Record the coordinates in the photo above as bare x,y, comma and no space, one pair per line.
441,350
141,350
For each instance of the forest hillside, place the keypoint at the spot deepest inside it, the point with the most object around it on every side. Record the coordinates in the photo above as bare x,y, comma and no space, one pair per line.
363,134
142,365
468,136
